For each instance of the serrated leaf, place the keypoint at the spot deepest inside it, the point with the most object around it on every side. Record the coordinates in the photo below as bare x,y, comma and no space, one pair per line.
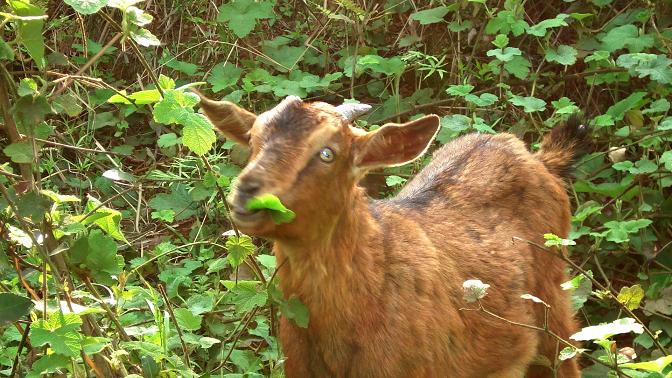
279,212
565,55
60,331
247,294
239,247
485,99
187,319
198,134
506,22
506,54
86,6
519,67
618,231
460,90
430,16
631,296
530,104
393,180
20,152
224,76
105,218
13,307
501,41
241,16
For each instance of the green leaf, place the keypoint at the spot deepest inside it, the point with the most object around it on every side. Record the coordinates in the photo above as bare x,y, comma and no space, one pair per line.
148,96
505,54
178,200
187,319
553,240
295,310
666,159
167,215
27,87
530,104
92,345
539,30
185,67
29,32
581,288
107,219
241,15
246,294
658,106
98,253
86,6
20,152
224,76
605,331
6,51
506,22
49,363
168,140
501,41
485,99
279,212
144,37
565,55
617,111
618,231
198,134
460,90
32,205
657,67
657,365
631,297
519,67
13,307
626,36
430,16
60,331
393,180
239,247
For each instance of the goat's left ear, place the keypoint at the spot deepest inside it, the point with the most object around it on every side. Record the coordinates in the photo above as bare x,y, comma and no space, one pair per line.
395,144
233,121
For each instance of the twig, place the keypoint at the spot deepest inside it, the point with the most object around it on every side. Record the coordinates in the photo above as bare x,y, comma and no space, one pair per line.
83,149
24,340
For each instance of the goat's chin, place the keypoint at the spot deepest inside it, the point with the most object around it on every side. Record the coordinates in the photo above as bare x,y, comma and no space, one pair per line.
256,224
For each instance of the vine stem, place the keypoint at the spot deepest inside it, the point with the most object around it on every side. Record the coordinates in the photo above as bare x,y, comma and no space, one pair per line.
185,350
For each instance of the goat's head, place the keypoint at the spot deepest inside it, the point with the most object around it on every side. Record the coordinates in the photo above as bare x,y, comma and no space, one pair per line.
311,157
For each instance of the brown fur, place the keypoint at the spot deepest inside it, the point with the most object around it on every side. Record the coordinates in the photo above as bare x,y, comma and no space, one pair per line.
383,279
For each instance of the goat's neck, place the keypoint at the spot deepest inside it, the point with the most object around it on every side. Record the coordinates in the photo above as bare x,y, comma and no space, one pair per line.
333,273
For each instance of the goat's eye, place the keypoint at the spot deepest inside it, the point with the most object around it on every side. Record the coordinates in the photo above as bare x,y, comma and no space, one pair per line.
327,155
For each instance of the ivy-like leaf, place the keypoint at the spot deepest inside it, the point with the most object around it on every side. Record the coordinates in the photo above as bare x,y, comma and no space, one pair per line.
60,331
224,76
86,6
241,15
239,247
539,30
565,55
506,54
530,104
430,16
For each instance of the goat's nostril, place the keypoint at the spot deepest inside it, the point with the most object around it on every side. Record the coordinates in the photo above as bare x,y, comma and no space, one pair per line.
249,186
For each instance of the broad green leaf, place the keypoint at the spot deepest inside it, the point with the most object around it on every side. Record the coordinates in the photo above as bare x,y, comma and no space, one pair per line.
241,15
626,36
86,6
27,87
506,22
393,180
32,205
145,38
460,90
452,126
506,54
224,76
657,365
246,294
104,217
485,99
565,55
168,140
658,106
377,64
617,111
60,331
605,331
49,363
13,307
239,247
137,16
187,319
29,32
501,41
148,96
553,240
657,67
539,30
295,310
279,212
185,67
198,133
567,353
98,253
666,160
178,200
6,51
20,152
92,345
564,106
430,16
530,104
519,67
618,231
631,296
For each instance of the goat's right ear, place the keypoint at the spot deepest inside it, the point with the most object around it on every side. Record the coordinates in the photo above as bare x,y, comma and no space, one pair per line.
232,120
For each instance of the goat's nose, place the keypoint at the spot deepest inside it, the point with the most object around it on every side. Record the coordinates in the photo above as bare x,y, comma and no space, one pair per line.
249,186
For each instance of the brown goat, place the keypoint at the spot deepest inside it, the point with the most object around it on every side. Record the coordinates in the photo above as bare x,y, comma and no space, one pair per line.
383,279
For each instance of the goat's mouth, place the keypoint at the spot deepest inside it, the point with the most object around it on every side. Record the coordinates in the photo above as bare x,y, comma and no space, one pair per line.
243,216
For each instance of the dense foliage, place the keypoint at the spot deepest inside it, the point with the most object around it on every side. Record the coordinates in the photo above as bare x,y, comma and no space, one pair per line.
117,255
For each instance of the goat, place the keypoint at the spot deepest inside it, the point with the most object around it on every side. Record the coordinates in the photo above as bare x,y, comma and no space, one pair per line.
383,278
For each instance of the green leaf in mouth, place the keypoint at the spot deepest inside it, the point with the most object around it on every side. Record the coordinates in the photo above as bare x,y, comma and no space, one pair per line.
279,213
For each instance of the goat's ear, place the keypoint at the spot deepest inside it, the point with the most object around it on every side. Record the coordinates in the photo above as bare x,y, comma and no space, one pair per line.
395,144
233,121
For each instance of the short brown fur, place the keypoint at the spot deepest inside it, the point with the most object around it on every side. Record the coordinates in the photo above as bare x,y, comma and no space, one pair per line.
383,279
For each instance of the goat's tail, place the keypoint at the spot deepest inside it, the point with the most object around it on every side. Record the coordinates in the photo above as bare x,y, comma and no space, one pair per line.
563,145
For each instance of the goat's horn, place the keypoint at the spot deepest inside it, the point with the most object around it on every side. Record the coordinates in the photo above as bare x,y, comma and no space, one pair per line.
353,111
